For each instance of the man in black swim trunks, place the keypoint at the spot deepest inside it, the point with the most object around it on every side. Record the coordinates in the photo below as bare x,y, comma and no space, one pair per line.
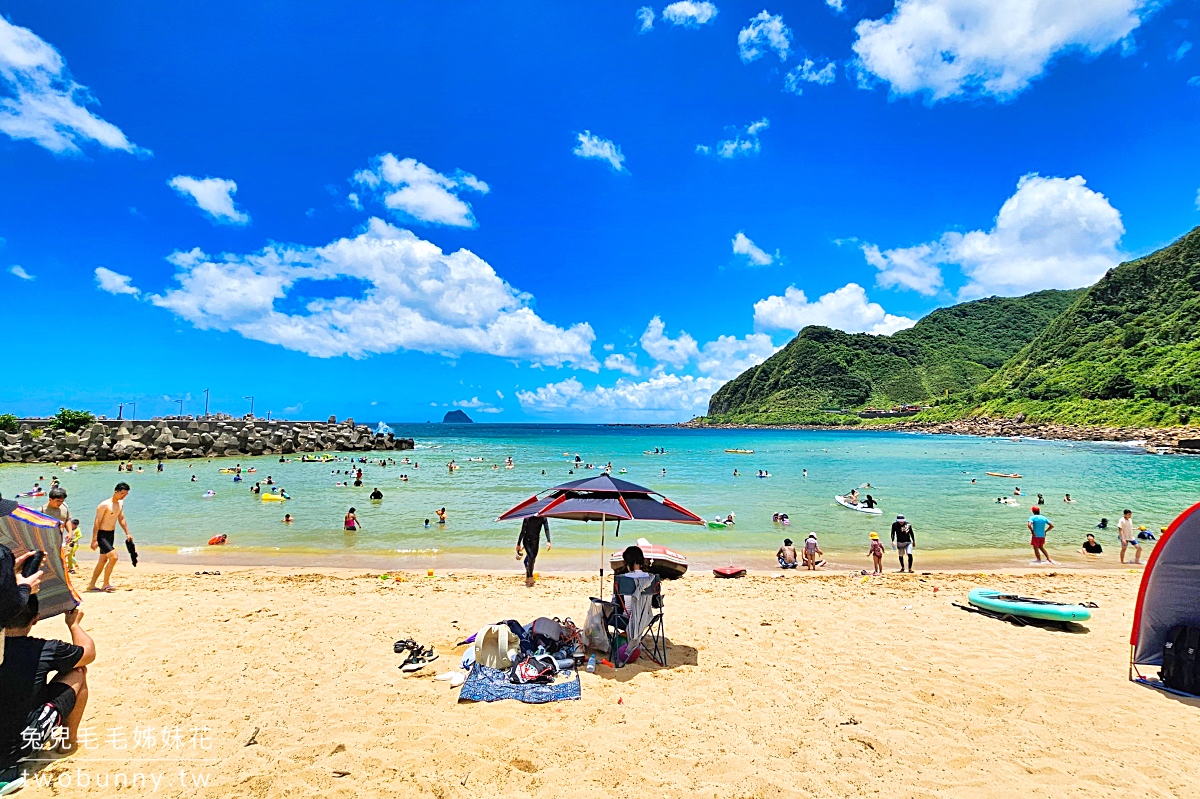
109,514
904,539
34,711
529,540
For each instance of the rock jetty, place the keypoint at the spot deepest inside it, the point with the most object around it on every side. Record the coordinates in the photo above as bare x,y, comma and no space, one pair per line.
108,439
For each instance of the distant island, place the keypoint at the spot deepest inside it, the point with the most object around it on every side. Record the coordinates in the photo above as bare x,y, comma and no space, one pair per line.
1121,354
457,417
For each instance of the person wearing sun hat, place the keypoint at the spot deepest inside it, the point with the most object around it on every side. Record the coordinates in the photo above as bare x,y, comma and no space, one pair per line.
903,539
876,553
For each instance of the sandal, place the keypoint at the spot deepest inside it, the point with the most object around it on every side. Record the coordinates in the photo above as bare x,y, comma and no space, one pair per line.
419,660
405,644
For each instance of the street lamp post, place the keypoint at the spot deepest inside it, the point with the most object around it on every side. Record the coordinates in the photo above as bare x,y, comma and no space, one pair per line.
133,413
180,401
206,403
251,398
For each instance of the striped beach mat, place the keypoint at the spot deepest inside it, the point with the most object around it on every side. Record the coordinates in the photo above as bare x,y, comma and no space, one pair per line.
23,530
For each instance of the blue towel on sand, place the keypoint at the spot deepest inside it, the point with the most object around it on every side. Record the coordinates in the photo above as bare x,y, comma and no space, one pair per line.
491,685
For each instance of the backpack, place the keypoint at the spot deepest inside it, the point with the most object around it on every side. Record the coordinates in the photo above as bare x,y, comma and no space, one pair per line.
1181,660
496,647
534,668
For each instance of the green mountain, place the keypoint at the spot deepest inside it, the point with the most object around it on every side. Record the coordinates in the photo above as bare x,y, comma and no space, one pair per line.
948,353
1127,353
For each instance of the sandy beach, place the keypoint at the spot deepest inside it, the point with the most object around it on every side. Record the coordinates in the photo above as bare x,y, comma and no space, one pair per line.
282,682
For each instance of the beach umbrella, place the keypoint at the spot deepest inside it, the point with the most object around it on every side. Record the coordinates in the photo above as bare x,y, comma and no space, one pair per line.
601,499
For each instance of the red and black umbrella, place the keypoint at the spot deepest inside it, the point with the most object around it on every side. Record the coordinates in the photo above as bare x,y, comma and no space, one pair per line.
600,499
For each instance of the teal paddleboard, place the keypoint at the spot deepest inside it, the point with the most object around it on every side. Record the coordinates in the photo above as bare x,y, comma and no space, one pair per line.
1027,607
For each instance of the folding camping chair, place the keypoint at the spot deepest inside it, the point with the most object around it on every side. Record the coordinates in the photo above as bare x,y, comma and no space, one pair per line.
635,614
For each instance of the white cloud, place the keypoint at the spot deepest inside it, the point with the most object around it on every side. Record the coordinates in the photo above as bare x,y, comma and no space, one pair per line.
355,203
1194,80
645,16
397,291
764,33
478,405
43,103
19,271
1181,51
213,196
689,14
845,309
950,48
623,363
661,396
836,5
729,356
114,282
673,352
807,72
414,191
912,268
1053,233
752,253
744,141
596,147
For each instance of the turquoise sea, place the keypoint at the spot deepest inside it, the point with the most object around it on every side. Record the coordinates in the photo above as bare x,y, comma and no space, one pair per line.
927,478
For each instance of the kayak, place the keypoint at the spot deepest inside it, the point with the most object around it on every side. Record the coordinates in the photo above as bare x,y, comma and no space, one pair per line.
1013,476
666,563
845,503
729,572
1027,607
741,451
272,498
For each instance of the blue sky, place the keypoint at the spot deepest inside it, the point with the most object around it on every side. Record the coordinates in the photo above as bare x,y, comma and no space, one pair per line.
554,211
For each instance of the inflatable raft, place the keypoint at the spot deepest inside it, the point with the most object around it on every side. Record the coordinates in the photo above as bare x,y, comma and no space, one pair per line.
846,503
272,497
741,451
1026,607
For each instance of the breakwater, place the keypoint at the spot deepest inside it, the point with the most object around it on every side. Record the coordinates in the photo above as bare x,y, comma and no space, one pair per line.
117,439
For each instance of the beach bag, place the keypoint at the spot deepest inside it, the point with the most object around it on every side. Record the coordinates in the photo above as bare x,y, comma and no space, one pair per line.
593,635
533,669
496,647
1181,660
546,633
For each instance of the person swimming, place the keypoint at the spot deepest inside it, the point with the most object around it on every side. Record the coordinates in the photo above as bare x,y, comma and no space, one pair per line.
287,518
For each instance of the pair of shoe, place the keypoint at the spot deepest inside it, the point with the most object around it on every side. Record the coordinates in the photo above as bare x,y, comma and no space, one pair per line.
416,656
455,678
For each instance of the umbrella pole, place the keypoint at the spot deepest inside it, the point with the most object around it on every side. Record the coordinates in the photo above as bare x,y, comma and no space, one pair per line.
602,520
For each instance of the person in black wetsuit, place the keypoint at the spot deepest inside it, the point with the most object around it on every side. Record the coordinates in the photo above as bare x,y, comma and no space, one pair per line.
529,540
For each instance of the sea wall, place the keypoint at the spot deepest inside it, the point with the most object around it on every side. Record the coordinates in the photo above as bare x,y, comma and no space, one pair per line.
110,439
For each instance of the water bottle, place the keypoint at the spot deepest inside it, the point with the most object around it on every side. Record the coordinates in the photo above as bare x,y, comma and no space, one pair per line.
591,666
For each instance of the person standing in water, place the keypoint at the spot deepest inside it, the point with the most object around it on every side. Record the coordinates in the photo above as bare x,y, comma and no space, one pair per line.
529,540
109,514
1038,526
1128,538
904,539
351,523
